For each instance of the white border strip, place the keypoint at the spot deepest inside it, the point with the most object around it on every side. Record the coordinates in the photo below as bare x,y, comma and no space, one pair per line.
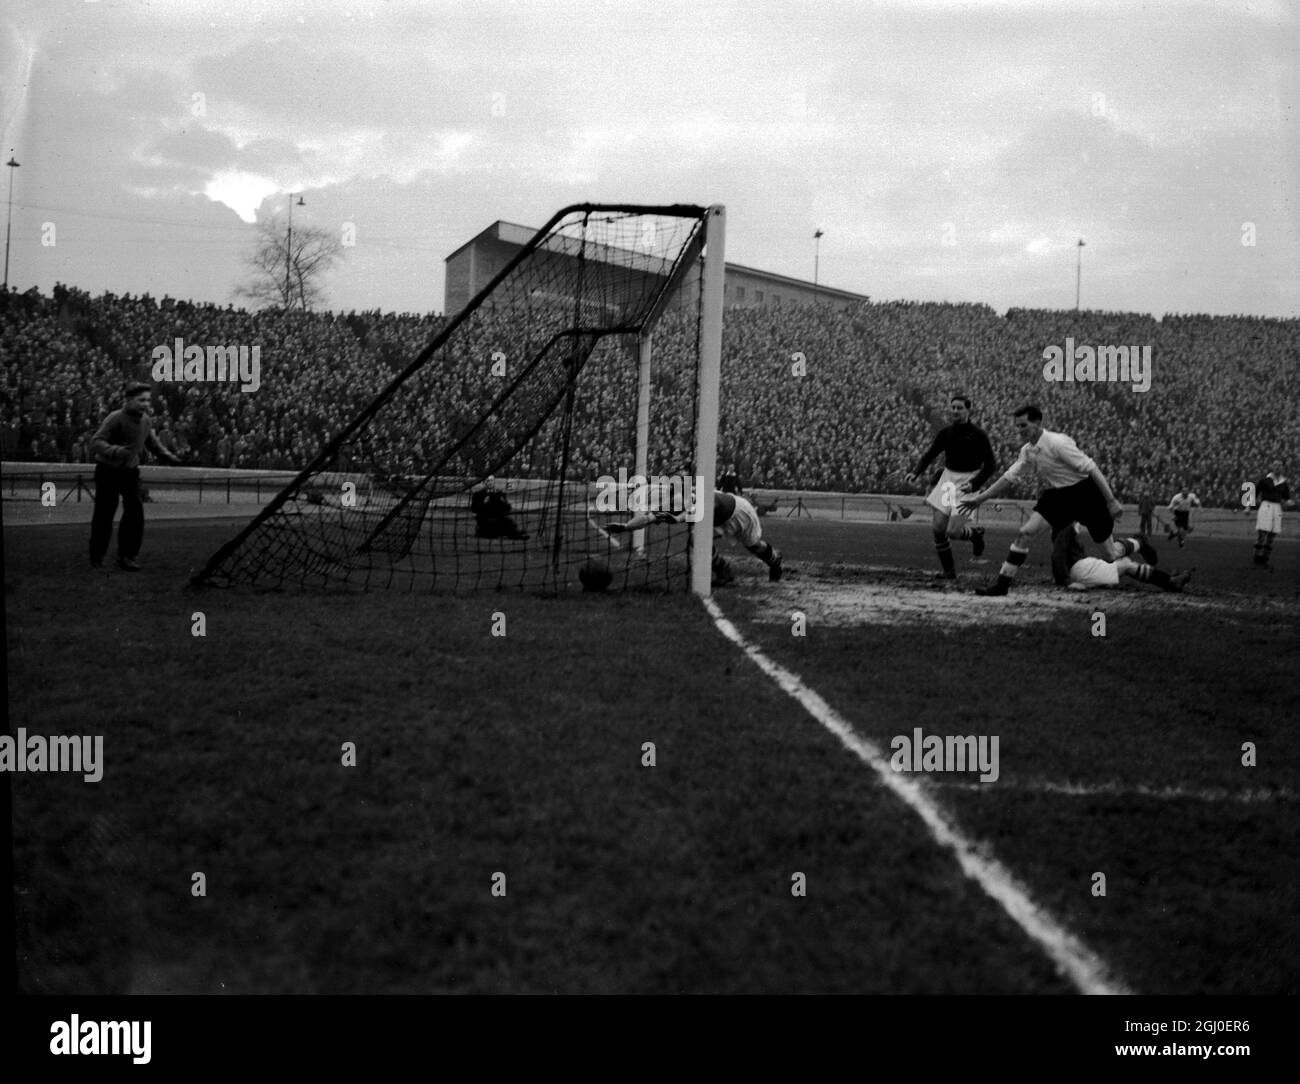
1084,968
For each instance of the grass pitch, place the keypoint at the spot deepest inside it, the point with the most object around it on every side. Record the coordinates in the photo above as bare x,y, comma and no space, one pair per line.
519,762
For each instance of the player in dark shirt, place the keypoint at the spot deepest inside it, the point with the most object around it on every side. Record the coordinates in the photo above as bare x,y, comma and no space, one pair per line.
117,447
1271,493
1146,510
729,482
969,463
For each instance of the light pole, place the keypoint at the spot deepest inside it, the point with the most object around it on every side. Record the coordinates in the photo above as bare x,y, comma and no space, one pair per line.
1078,273
288,251
13,165
817,259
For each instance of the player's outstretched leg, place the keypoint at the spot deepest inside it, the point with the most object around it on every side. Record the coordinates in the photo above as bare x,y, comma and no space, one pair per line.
1126,547
1163,580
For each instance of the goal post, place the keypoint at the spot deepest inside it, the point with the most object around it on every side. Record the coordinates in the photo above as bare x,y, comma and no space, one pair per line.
500,453
710,383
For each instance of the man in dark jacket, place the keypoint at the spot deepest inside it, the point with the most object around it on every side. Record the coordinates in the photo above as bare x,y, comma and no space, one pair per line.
116,449
491,510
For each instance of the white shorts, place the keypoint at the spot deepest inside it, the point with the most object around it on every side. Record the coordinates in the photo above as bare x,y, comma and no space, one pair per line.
743,524
1269,517
947,492
1093,572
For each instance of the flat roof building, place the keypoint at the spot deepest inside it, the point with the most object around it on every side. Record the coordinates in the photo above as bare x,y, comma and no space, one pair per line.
478,260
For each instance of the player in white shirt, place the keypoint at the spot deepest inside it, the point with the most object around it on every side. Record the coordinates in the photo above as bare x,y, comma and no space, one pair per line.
1075,490
732,515
1181,506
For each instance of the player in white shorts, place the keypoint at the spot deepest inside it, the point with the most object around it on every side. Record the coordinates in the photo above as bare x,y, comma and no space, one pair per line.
968,463
1271,492
1072,568
733,516
1181,506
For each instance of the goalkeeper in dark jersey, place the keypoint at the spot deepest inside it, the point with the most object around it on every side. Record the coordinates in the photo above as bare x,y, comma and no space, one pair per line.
969,463
732,515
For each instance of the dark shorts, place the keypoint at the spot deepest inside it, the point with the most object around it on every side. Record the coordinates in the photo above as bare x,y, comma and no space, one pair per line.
1180,519
1082,503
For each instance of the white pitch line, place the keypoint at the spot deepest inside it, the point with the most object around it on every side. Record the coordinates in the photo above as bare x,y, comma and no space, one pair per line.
1084,968
1116,790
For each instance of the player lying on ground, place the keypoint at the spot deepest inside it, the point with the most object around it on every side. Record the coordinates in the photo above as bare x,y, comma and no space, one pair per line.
732,515
1075,490
968,464
1073,568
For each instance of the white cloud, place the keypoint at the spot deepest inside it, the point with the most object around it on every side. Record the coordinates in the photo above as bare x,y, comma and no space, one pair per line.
243,193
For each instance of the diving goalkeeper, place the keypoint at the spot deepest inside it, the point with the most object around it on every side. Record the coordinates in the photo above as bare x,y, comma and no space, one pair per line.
732,515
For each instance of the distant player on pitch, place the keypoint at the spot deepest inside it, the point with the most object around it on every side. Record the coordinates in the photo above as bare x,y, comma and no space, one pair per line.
1181,506
968,464
732,515
1271,493
1073,568
1075,490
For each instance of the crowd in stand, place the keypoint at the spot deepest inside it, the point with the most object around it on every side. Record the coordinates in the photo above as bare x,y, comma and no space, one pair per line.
811,398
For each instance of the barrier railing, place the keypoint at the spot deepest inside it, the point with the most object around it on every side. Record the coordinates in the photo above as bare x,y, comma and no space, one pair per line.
74,483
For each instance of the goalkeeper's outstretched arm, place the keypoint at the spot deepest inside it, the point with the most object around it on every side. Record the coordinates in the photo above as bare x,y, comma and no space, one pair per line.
646,519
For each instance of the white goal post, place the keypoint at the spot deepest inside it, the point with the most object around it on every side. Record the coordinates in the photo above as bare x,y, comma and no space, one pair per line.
710,380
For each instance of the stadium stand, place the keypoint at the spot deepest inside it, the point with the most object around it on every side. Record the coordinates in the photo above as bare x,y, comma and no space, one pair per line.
877,382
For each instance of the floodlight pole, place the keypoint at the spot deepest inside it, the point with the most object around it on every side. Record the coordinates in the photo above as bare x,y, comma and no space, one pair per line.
710,378
1078,274
13,165
288,251
817,259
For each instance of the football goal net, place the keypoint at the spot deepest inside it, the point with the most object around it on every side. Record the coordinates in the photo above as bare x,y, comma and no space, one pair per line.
577,388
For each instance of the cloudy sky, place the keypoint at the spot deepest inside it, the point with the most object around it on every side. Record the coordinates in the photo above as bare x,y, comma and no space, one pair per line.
949,150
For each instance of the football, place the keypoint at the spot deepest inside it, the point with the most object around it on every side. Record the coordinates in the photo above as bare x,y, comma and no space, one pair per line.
595,575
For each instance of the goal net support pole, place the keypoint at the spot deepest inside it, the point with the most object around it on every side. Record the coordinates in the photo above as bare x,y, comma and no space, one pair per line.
706,432
644,352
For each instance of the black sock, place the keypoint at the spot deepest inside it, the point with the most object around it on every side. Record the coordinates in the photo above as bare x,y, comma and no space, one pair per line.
1015,558
944,549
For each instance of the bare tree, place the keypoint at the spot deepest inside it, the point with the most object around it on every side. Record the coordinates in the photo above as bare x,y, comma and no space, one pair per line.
289,279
